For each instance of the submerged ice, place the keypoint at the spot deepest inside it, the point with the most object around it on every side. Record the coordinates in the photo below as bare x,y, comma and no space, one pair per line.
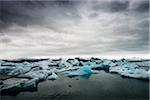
24,75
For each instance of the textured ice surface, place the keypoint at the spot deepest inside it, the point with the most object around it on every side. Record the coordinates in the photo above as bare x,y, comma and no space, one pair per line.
5,70
24,75
53,76
21,68
130,70
39,75
19,86
81,71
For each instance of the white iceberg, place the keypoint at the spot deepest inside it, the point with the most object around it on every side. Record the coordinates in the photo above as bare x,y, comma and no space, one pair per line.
40,75
53,76
130,70
21,69
63,63
43,64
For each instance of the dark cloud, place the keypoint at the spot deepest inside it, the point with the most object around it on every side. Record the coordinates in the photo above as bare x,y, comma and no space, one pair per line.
25,13
142,6
14,13
117,6
111,6
37,28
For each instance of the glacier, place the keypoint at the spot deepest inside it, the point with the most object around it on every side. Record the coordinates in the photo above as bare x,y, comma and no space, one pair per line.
24,75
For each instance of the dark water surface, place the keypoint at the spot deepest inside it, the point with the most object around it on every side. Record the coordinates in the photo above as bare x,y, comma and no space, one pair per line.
102,86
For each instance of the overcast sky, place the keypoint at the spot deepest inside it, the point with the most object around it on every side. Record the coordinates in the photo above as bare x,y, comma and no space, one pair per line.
66,28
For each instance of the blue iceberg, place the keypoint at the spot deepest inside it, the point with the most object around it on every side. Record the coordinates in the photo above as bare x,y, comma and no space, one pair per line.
81,71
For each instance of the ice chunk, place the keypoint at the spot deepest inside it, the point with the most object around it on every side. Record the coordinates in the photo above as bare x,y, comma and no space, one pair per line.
106,62
64,63
81,71
21,68
148,72
12,81
104,65
101,67
43,64
5,70
130,70
142,63
53,76
67,69
40,74
1,82
74,62
30,85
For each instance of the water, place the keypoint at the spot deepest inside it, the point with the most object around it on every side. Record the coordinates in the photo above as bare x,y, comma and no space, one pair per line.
102,86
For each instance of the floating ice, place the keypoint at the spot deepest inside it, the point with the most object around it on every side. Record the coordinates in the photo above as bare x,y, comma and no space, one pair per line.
130,70
40,75
53,76
5,70
43,64
148,73
67,69
81,71
100,66
30,73
20,69
24,85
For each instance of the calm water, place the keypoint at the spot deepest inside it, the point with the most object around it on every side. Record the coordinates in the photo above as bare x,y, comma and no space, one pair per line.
102,86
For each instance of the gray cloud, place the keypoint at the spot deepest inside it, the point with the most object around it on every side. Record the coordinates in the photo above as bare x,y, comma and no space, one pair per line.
52,28
142,6
112,6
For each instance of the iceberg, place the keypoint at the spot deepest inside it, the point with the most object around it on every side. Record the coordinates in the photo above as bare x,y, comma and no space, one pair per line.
67,69
20,68
40,75
148,73
25,75
64,64
74,62
81,71
101,67
130,70
43,64
5,70
52,77
24,85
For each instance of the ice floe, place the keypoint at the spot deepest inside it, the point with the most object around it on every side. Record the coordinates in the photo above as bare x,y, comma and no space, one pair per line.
25,75
81,71
19,86
130,70
40,75
5,70
53,76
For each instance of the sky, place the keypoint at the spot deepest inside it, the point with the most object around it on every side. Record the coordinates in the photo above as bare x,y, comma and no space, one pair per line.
74,28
